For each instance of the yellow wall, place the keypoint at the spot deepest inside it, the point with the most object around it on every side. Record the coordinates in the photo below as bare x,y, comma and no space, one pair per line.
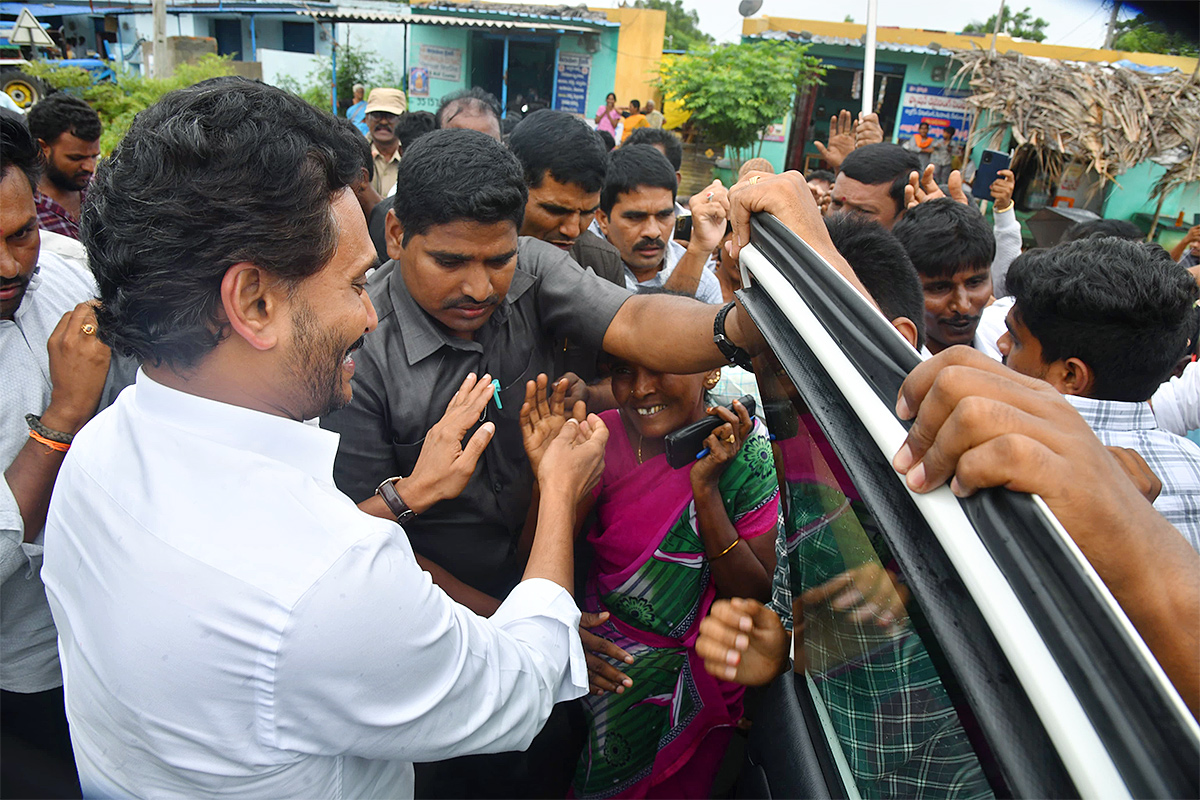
923,38
639,50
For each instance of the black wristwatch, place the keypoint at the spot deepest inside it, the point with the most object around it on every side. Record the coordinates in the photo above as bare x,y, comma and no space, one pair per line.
733,354
394,502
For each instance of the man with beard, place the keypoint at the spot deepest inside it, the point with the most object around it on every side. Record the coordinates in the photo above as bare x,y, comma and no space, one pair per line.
384,107
54,371
230,623
68,131
637,216
951,247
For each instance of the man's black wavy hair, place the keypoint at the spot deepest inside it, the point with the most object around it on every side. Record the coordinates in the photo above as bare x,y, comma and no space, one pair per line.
457,174
226,171
1123,308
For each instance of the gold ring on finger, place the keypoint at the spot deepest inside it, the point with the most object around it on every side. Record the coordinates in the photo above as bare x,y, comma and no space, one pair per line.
88,329
754,179
731,439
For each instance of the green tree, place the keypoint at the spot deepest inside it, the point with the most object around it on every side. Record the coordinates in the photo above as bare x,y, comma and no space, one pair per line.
735,91
1021,25
683,25
1144,35
118,102
354,64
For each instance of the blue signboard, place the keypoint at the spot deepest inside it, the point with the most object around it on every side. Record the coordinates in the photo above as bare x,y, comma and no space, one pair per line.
938,106
571,84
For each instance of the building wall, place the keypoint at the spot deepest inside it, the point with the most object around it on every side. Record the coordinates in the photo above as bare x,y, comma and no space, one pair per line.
639,51
458,38
1133,195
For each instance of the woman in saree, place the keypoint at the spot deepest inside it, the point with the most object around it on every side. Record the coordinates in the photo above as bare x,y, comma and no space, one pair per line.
667,544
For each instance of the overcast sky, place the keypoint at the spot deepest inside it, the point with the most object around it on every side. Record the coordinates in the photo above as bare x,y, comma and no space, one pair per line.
1078,23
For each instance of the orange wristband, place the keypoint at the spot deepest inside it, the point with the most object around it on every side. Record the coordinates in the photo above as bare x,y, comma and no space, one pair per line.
59,446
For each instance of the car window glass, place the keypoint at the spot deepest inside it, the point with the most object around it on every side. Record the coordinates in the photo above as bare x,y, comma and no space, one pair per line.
854,626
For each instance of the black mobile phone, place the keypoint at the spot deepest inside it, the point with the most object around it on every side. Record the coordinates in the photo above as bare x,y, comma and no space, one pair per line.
990,163
685,444
683,228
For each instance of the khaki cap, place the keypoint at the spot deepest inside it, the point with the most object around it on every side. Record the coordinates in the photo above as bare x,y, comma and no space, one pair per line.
390,100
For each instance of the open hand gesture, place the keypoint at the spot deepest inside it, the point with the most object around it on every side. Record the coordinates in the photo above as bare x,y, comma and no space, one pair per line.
445,465
542,418
574,460
923,188
841,140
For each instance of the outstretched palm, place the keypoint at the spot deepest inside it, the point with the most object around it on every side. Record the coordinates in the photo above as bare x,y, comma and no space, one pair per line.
542,418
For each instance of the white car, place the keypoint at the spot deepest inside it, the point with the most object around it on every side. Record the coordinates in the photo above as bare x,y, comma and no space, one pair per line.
949,648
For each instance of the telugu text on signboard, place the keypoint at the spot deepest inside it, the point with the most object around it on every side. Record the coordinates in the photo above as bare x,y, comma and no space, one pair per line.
938,106
573,72
443,63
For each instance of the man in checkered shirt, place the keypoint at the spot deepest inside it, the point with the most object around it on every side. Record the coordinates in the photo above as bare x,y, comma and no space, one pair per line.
1105,321
68,131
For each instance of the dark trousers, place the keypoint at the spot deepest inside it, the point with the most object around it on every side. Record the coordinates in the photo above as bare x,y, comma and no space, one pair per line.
36,759
544,770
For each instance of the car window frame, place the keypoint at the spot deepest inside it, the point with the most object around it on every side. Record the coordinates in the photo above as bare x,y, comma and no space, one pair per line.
1061,600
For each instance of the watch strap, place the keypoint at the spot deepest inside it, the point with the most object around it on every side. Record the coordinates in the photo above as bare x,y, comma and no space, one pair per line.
733,354
394,502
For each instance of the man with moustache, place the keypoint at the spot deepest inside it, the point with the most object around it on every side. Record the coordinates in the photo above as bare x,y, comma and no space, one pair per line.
54,371
465,294
953,249
637,216
68,131
230,623
384,107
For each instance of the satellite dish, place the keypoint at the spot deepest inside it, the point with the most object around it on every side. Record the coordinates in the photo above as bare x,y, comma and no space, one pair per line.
748,8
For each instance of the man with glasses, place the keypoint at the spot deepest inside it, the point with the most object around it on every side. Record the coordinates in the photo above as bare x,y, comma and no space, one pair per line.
384,108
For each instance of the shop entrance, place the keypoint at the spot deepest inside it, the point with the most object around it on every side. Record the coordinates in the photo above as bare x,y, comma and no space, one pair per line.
517,69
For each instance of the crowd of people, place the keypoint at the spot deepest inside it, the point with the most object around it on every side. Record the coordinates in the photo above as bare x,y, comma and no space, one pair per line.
338,446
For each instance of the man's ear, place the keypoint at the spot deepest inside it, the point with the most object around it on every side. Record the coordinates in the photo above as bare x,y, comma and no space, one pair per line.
602,221
45,150
252,303
907,328
393,235
1072,376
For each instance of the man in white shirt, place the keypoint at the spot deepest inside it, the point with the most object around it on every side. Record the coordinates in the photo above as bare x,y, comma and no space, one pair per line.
637,216
54,367
229,622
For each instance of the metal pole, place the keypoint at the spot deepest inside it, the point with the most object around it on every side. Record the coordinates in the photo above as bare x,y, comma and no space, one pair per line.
253,40
554,85
333,66
504,82
159,69
868,82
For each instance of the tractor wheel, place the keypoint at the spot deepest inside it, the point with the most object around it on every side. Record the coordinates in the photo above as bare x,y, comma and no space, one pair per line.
24,90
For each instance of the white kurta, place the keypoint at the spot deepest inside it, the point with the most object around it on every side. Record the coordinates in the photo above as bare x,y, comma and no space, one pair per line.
231,624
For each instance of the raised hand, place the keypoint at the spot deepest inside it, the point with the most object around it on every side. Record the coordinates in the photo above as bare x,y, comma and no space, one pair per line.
78,368
1002,189
710,209
723,444
445,465
867,130
742,641
574,460
602,676
923,188
542,418
841,140
866,592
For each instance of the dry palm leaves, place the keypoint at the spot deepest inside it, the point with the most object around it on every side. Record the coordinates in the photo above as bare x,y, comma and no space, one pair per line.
1109,117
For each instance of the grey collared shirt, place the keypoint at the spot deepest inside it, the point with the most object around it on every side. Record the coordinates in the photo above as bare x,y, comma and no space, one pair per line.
409,369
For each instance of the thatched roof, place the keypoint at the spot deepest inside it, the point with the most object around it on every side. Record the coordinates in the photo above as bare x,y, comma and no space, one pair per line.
1110,117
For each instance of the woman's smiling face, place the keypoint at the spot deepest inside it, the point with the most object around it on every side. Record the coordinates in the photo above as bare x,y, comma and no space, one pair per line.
657,403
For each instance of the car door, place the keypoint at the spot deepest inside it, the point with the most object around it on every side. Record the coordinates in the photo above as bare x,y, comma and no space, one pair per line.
942,647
